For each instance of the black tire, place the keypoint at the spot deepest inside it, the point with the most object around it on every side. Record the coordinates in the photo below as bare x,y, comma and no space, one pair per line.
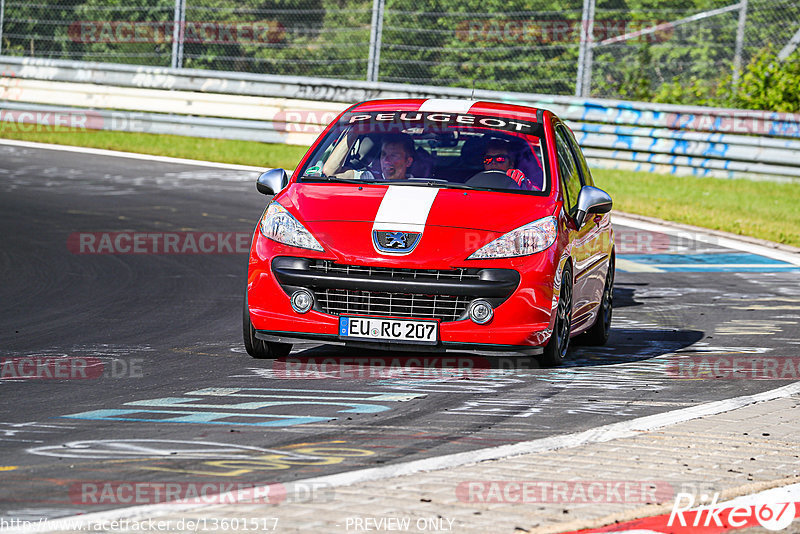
258,348
598,333
556,349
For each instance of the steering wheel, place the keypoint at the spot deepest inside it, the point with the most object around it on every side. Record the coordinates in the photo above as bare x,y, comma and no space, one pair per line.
493,179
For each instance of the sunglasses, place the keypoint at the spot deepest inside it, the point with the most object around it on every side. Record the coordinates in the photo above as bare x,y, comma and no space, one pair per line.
499,159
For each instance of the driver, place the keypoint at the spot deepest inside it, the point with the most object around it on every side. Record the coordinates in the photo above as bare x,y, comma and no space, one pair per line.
497,157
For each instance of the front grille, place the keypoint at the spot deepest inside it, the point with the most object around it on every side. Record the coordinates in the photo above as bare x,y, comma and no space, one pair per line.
415,293
350,302
459,274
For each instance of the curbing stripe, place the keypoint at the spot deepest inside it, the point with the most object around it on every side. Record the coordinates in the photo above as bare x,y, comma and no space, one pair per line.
659,524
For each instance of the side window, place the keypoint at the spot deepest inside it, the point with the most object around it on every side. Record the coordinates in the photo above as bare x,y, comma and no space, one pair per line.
568,169
586,174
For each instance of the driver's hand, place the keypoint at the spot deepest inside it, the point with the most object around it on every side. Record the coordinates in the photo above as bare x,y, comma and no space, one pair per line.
519,177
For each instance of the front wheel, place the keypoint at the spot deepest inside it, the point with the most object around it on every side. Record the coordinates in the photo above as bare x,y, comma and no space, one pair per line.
258,348
556,349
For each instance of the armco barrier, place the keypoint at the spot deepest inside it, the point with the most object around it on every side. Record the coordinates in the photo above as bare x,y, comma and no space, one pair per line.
615,134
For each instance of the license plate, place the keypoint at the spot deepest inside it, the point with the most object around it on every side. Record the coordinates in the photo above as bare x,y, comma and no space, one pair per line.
389,329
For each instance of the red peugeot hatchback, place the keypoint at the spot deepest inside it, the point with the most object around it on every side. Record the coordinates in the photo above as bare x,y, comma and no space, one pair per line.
434,225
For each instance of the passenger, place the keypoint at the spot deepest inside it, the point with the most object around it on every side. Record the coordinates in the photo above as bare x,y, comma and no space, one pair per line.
397,155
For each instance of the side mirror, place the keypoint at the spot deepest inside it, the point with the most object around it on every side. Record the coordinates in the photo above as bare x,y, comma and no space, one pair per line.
272,181
591,200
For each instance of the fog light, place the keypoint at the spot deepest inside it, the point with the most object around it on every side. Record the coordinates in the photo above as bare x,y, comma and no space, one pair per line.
302,300
480,312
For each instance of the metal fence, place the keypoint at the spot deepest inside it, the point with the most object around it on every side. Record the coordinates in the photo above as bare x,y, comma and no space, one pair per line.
615,48
682,140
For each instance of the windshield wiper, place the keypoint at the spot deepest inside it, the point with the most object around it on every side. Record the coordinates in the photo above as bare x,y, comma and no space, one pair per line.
325,178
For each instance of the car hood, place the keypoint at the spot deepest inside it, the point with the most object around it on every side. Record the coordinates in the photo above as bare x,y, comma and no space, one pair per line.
413,208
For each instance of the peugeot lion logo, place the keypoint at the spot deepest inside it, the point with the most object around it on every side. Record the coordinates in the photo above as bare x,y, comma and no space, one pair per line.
395,242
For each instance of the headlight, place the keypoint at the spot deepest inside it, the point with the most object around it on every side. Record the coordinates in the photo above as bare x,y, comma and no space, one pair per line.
529,239
279,225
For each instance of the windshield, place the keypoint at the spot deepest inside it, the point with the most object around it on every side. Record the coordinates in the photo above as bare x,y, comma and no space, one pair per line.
433,149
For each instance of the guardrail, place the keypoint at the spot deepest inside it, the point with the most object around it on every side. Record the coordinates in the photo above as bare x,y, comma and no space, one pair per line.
615,134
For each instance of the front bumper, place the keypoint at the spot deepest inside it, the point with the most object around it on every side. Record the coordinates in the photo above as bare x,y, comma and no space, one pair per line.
521,293
414,293
480,348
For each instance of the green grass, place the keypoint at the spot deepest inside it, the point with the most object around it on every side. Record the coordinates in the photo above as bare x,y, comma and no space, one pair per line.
222,150
766,210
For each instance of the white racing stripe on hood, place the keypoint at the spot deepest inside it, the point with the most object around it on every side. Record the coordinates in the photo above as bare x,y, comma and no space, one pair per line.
447,105
405,208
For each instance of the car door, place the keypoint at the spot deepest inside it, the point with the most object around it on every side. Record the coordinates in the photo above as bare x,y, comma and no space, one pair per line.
602,236
587,251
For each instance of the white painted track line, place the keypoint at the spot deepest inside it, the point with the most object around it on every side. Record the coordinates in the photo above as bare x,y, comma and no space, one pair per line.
709,238
595,435
622,219
130,155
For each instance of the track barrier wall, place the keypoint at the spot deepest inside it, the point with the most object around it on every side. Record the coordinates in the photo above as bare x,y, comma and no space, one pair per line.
615,134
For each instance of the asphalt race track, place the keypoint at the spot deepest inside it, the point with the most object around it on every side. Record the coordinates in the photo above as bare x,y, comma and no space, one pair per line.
122,359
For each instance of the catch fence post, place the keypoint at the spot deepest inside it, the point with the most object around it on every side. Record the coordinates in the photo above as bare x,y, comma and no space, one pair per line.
375,38
737,56
179,21
585,51
2,20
